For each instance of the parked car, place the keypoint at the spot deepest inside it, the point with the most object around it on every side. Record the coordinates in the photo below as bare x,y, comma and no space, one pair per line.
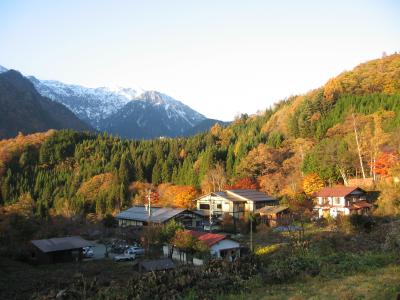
87,252
138,251
125,257
119,246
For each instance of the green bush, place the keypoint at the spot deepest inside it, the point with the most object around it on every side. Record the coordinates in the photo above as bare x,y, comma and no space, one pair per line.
282,270
362,222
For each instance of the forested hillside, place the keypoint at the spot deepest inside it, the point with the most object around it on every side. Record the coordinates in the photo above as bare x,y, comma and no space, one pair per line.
347,128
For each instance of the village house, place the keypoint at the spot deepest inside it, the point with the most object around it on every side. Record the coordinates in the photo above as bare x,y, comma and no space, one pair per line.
234,202
141,216
56,250
341,200
220,247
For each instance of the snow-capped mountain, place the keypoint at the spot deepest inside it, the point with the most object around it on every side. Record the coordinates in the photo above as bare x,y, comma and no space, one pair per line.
112,109
150,115
89,104
173,108
127,112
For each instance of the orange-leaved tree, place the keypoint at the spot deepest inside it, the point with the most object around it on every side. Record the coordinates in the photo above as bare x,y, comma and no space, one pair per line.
385,162
247,183
177,195
184,196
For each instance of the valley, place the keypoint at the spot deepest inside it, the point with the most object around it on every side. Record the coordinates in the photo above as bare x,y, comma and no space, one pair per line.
278,205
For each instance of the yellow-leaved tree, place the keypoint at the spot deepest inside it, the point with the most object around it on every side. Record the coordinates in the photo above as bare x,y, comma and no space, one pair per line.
312,183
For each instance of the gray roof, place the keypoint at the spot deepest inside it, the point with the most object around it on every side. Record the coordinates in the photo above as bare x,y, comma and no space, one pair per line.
158,214
242,196
60,244
250,195
157,264
229,197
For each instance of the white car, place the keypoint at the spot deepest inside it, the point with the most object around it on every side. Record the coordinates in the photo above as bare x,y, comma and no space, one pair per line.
138,251
125,257
87,252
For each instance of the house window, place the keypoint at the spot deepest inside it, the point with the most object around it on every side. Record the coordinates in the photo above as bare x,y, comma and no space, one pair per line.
204,206
323,200
219,206
336,200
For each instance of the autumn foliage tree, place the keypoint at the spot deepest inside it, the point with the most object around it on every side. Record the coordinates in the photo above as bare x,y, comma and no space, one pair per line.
183,240
312,183
186,242
184,196
385,162
244,183
176,195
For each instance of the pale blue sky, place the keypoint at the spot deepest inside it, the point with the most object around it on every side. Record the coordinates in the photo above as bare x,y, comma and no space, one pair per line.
219,57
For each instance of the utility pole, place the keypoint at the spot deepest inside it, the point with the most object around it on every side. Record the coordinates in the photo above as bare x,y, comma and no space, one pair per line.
251,234
148,208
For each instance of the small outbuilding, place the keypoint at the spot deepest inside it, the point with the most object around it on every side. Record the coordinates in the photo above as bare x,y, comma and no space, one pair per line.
156,265
55,250
273,215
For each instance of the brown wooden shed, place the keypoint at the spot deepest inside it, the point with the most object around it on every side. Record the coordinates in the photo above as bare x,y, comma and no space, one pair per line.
55,250
273,215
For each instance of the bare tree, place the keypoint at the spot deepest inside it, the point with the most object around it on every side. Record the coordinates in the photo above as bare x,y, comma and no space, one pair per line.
358,145
214,180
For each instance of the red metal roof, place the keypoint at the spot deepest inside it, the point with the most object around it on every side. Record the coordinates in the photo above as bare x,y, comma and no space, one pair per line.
338,191
209,239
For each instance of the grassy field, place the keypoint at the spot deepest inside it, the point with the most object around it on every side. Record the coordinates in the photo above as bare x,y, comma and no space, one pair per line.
381,283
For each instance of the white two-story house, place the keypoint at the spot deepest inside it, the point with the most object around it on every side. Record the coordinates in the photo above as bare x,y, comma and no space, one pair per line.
341,200
234,202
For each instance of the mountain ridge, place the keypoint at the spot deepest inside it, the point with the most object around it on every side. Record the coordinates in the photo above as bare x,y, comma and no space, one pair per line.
24,110
110,109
